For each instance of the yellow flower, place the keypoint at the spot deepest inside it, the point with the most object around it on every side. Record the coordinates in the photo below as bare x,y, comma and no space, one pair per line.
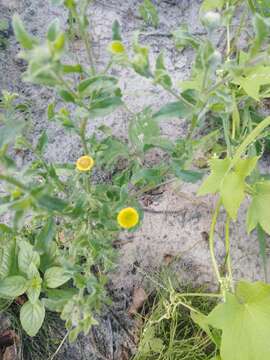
117,47
85,163
128,217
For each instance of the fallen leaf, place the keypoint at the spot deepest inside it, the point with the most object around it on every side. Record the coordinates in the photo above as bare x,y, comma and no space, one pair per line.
168,259
10,353
138,298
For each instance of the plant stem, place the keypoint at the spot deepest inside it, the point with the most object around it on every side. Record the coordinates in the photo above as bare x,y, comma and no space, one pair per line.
82,136
228,34
200,295
60,346
86,39
108,66
248,140
228,252
251,6
211,242
179,97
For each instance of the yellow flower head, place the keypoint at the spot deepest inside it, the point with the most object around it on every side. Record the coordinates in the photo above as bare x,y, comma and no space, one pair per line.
128,218
85,163
116,47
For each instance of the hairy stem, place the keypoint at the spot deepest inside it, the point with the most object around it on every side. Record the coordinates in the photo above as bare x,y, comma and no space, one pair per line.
82,136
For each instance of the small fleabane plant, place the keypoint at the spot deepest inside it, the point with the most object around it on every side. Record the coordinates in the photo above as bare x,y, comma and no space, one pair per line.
58,248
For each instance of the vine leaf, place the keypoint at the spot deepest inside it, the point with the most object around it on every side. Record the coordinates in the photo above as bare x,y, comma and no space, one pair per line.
245,322
253,81
229,182
258,212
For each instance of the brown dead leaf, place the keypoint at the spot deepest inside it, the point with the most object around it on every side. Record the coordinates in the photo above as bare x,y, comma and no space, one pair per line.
124,354
138,298
8,345
10,353
61,237
168,259
20,300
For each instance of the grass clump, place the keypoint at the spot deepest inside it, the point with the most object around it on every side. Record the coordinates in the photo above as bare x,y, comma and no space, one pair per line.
169,333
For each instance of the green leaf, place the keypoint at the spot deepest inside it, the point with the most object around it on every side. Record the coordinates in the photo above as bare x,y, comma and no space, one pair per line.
70,69
51,111
187,175
97,83
208,5
183,39
32,317
105,106
177,109
232,193
259,208
230,183
10,130
161,75
150,343
67,96
261,26
56,276
53,30
34,288
8,257
143,130
140,61
42,142
149,13
52,203
244,167
26,40
45,237
202,320
244,319
57,298
5,229
113,150
13,286
150,177
28,258
116,31
252,81
218,167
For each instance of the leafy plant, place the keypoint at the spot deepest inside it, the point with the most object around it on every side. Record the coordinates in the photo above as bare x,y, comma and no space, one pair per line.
149,13
57,251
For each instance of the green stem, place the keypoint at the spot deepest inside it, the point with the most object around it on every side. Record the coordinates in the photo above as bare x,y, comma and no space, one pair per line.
179,97
252,6
108,66
228,251
228,33
200,295
248,140
86,39
211,242
65,84
82,136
